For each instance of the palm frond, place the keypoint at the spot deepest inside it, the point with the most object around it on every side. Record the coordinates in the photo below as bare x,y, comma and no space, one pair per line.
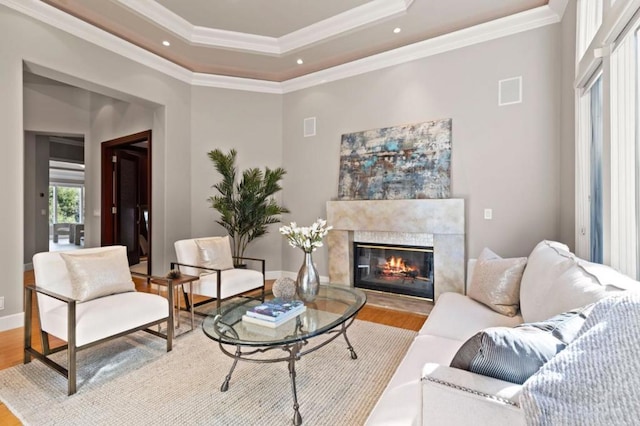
246,207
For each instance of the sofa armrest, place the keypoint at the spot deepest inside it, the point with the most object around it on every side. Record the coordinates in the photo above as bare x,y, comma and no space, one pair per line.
454,396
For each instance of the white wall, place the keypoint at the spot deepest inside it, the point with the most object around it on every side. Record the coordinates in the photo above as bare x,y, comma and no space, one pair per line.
252,124
505,158
101,71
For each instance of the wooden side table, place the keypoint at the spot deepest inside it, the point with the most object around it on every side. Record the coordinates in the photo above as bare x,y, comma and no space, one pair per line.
177,283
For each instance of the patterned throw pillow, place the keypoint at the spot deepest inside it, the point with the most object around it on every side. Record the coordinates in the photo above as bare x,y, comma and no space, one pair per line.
496,282
515,354
98,274
215,252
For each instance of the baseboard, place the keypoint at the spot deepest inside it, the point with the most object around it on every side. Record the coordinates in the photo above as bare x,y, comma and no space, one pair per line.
10,322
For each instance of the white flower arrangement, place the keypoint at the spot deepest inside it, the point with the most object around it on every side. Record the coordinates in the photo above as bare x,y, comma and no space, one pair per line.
308,238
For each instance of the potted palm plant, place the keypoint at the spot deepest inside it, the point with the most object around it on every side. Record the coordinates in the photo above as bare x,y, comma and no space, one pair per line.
247,207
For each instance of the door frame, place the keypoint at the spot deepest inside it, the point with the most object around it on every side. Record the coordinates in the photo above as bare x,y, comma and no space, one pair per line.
106,223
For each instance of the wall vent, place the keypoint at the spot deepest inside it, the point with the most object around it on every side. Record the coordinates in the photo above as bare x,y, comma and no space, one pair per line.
309,127
510,91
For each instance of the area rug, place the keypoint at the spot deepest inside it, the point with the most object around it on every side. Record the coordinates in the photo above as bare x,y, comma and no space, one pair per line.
133,381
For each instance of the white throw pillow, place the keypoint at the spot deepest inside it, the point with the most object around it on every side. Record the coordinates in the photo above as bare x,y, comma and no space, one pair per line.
556,281
496,282
215,252
98,274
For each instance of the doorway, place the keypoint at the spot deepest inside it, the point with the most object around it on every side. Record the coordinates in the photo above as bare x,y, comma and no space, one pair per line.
126,197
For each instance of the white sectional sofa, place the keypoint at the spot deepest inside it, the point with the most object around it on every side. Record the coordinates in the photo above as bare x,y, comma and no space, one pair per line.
425,390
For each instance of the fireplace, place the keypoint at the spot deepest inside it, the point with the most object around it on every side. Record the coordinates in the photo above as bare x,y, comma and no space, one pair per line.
427,223
399,269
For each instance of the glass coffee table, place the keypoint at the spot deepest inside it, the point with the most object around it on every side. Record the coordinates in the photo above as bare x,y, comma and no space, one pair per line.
325,319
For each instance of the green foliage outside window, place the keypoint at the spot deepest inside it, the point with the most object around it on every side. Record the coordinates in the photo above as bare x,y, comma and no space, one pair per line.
68,204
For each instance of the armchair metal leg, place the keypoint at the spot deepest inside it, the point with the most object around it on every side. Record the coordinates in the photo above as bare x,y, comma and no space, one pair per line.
170,328
27,325
44,338
71,347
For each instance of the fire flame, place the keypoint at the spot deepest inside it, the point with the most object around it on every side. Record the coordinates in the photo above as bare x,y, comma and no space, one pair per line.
397,264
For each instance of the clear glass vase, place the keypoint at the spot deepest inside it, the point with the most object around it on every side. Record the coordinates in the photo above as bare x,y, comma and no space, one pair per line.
308,281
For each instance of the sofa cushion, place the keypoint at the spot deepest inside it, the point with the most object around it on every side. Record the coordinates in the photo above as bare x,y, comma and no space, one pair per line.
515,354
106,316
458,317
215,252
96,274
556,281
234,281
399,403
496,282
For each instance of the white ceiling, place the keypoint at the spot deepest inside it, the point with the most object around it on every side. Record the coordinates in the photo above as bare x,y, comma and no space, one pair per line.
263,39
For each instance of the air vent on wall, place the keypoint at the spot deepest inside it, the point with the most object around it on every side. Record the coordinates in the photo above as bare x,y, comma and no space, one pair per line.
309,127
510,91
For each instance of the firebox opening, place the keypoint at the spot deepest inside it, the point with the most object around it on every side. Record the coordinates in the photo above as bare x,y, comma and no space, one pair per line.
396,269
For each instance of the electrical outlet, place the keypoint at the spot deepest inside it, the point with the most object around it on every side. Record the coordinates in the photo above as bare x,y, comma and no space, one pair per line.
1,303
488,214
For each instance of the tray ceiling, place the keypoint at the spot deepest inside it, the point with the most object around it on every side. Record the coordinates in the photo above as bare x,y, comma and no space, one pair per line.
266,39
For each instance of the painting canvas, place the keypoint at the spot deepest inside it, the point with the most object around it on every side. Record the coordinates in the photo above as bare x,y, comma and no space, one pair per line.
394,163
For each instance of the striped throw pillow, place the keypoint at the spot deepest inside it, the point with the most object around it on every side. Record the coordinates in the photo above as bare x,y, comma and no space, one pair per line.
515,354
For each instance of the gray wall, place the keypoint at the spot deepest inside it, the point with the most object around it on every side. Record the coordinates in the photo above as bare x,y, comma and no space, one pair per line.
36,182
94,68
515,159
48,109
110,119
567,128
505,158
252,124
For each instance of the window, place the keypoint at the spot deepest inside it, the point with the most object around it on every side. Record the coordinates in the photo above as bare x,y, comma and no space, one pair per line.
589,182
607,152
66,204
589,21
595,187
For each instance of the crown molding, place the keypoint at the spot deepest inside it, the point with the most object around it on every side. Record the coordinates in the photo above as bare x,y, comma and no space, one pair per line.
349,20
558,6
360,16
524,21
203,36
52,16
236,83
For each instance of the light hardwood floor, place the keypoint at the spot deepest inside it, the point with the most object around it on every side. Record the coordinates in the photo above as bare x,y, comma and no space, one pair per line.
12,340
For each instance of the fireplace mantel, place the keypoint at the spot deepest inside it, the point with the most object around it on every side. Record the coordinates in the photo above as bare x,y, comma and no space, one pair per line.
442,219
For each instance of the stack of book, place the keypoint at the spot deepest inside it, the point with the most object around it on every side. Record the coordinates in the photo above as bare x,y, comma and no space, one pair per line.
274,312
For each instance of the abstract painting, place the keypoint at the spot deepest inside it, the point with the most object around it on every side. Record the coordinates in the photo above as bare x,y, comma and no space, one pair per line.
397,163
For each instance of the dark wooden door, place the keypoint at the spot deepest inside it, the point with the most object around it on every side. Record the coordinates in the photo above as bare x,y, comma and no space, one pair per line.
127,206
126,195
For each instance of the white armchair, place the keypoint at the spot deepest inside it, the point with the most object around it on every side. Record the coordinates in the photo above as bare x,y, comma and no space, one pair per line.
210,259
86,297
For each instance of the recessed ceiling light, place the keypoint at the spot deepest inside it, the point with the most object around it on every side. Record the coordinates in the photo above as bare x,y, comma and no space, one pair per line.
166,43
300,61
397,30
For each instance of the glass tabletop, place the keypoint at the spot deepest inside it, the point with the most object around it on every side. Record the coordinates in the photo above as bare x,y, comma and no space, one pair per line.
334,305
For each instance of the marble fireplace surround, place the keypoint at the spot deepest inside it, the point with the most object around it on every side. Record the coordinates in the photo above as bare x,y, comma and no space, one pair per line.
399,222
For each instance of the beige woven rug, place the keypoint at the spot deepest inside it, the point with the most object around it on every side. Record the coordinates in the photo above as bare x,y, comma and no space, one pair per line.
133,381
